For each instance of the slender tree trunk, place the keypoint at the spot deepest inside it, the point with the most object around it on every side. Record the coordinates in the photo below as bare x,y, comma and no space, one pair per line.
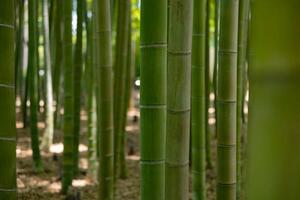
274,163
179,94
244,6
120,79
8,188
26,95
199,109
128,87
216,41
153,98
208,86
52,14
68,160
19,51
78,61
33,83
27,70
91,98
48,134
226,100
105,100
57,60
95,49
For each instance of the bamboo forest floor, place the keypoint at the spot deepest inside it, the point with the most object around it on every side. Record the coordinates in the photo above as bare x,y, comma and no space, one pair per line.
46,185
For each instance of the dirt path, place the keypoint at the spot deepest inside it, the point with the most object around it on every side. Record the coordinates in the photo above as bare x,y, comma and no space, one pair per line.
47,185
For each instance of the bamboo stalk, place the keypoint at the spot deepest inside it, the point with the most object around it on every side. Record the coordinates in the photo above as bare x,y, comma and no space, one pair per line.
57,60
208,86
244,6
274,101
8,188
78,62
105,100
178,99
33,83
19,63
120,79
49,129
226,100
153,98
198,115
128,87
91,97
68,162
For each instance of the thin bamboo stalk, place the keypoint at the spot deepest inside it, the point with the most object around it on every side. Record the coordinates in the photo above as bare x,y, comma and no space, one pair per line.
20,52
199,109
33,83
128,87
242,53
226,100
120,79
105,101
68,161
91,97
49,129
78,63
57,60
208,85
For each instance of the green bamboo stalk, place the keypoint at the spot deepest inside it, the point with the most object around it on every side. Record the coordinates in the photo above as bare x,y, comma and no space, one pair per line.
153,98
274,101
26,75
198,100
95,63
33,83
242,52
20,51
78,61
53,15
226,100
128,87
57,59
105,100
91,97
8,188
112,9
208,86
40,61
26,95
179,95
216,41
92,144
49,129
120,80
68,161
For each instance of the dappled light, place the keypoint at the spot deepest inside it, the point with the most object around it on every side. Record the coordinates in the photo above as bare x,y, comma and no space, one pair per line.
149,99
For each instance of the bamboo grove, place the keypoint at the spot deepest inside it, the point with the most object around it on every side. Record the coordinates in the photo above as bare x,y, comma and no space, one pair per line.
169,99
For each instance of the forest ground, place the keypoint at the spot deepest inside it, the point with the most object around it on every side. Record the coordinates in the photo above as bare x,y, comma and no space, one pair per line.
47,185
